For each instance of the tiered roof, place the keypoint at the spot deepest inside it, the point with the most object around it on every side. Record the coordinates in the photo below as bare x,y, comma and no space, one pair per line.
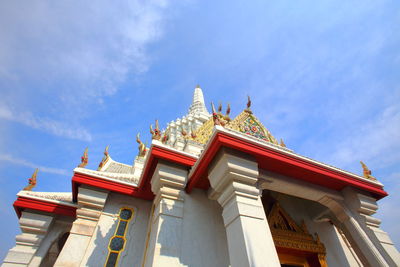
192,141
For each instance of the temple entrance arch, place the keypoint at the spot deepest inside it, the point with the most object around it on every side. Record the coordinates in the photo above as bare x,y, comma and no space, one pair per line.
294,244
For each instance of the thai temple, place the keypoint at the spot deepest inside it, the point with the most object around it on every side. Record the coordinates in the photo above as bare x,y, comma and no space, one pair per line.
210,191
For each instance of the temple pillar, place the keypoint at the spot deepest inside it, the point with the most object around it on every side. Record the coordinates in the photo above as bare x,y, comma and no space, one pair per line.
90,206
363,207
34,228
165,226
233,177
354,232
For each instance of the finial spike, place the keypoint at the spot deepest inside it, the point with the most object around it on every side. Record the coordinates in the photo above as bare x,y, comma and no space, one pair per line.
31,181
105,158
367,172
142,147
228,110
84,158
219,107
248,102
213,108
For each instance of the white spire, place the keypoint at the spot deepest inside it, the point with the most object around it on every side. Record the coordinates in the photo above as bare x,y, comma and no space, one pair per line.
198,105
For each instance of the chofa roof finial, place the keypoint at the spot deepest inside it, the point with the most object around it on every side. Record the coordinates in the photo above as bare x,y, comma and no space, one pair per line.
367,172
248,103
31,181
105,158
84,159
155,134
142,147
228,110
220,107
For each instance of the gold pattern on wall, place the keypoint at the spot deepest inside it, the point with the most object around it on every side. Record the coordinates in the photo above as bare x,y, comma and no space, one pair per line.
288,235
118,241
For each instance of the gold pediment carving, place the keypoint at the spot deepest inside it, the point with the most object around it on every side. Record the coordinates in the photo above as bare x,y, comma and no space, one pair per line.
287,234
246,123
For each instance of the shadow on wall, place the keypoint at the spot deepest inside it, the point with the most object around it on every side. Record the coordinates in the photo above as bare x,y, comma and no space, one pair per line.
194,241
99,246
54,250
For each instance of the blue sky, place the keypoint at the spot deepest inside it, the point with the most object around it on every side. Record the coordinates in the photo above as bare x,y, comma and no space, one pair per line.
323,75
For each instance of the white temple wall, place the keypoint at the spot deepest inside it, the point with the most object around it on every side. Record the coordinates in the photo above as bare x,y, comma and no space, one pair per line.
61,226
204,240
338,253
97,251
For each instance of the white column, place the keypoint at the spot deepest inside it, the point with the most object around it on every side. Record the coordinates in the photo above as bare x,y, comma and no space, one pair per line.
165,240
362,244
363,207
90,206
34,228
233,178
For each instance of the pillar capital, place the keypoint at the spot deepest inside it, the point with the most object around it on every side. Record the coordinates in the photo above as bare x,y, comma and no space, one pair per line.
91,202
165,229
34,228
168,176
233,170
233,177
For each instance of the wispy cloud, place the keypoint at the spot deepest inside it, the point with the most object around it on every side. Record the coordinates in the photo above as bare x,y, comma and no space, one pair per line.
47,125
90,46
377,141
22,162
75,55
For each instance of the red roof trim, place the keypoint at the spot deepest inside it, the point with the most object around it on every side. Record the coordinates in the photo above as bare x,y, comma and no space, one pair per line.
157,153
143,191
84,179
23,203
308,171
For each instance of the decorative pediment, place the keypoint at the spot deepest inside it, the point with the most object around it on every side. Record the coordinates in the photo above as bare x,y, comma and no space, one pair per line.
246,122
287,234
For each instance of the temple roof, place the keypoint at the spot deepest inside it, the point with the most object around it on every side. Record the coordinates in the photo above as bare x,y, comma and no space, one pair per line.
64,198
192,141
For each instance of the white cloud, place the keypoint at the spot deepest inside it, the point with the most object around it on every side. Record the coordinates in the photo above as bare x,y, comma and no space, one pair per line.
376,141
73,54
53,127
22,162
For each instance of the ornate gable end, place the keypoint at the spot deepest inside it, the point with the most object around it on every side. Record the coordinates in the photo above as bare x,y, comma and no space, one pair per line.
202,134
278,220
248,124
287,234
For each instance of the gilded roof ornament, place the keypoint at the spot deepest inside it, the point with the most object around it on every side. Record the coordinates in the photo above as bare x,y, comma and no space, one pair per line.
142,147
248,104
215,115
282,144
220,107
165,136
31,181
193,132
367,172
84,159
105,158
156,133
228,110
